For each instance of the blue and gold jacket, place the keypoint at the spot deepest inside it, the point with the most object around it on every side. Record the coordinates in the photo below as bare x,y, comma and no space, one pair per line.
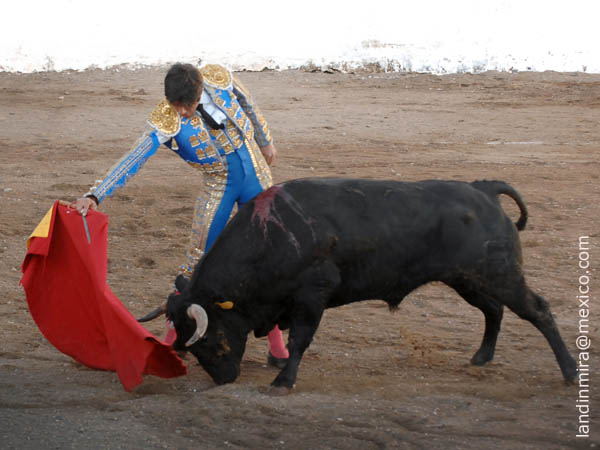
199,145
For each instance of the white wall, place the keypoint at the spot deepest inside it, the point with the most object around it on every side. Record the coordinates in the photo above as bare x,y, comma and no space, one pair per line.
427,35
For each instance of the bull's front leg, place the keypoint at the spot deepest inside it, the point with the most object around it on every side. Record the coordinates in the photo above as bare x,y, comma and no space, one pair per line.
305,321
309,304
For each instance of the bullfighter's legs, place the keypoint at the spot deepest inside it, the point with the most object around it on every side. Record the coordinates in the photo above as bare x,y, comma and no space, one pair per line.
214,206
210,200
493,312
208,203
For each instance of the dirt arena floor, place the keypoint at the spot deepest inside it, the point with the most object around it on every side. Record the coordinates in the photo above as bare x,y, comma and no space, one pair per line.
371,379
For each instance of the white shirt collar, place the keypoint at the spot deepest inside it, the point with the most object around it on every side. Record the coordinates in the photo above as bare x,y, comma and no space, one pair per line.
211,108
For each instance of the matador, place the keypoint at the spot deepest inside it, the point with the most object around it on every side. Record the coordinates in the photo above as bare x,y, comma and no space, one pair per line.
209,119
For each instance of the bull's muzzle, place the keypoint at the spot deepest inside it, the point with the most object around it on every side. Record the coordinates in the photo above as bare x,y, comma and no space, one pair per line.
197,313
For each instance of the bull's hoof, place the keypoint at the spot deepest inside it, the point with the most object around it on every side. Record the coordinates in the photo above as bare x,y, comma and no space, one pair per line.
480,359
279,391
570,372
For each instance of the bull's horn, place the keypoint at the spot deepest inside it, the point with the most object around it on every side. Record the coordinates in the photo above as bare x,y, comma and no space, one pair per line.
197,313
154,314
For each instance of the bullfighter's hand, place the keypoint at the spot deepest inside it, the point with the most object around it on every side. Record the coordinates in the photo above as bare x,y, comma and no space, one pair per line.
269,152
83,204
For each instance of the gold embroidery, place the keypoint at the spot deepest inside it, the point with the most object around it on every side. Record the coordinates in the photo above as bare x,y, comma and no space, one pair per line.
263,172
200,138
222,139
233,111
216,75
211,151
207,203
220,101
240,86
216,166
208,152
165,119
195,121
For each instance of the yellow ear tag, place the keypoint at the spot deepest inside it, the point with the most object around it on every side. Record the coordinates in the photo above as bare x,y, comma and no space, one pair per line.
225,305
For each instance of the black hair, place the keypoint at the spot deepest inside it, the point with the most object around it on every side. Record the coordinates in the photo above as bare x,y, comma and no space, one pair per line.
183,84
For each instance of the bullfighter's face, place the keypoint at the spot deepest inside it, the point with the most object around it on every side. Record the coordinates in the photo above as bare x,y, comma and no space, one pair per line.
219,350
186,110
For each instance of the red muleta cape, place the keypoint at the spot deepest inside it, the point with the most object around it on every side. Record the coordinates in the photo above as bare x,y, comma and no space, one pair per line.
64,278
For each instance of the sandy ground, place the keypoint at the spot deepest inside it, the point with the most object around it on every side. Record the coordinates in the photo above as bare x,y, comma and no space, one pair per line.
371,379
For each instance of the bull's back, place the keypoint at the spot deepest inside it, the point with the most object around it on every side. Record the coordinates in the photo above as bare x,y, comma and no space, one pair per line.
384,237
387,236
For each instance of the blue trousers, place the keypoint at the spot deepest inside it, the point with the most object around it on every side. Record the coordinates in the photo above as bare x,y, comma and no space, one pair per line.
220,193
242,185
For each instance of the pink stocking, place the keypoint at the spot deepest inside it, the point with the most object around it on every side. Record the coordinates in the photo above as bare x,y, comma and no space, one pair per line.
276,345
170,334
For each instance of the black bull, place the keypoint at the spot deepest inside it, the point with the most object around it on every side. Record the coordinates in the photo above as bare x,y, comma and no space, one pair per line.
307,245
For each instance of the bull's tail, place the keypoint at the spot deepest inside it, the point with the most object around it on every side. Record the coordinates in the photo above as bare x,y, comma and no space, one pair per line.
495,188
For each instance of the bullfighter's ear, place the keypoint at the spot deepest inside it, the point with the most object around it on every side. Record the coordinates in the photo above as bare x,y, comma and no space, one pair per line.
225,305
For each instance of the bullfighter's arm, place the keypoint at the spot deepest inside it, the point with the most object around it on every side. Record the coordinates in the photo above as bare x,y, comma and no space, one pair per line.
129,164
262,134
164,123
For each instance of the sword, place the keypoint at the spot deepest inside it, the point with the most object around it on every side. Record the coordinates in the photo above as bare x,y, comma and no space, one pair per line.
86,228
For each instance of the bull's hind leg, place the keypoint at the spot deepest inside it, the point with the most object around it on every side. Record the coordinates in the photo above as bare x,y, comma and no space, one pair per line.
532,307
492,312
512,291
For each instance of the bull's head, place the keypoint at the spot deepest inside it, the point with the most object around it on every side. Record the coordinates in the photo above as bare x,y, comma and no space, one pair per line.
211,333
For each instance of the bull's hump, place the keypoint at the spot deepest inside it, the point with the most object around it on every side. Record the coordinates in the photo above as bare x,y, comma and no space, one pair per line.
268,210
264,206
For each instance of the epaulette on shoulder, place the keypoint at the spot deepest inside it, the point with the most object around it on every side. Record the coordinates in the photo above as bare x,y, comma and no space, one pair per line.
217,76
165,119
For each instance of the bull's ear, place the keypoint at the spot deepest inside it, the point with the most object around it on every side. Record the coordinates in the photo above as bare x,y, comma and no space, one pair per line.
181,283
225,305
175,304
